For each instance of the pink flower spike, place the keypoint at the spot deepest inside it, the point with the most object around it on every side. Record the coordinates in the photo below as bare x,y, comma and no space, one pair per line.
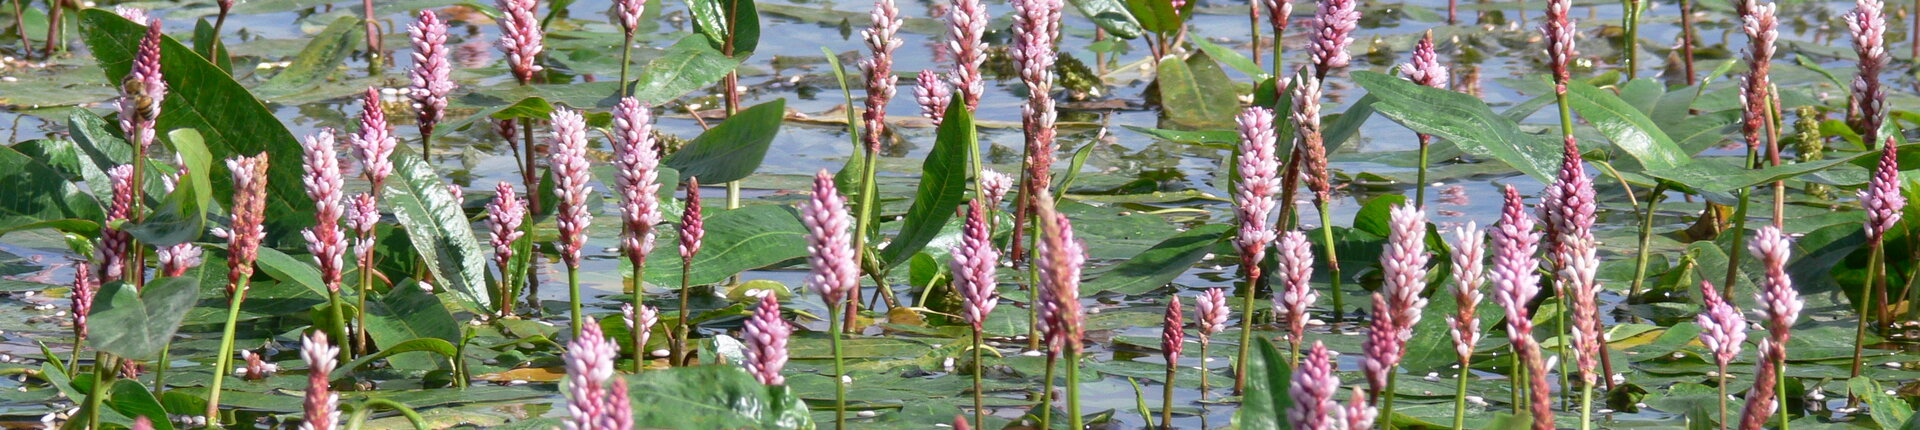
570,177
1212,310
636,166
84,289
322,405
974,262
1469,272
934,94
766,336
1722,329
1332,32
1258,183
1560,34
1868,25
1278,13
362,216
1358,414
1060,258
143,90
1404,265
1761,27
1779,303
521,38
966,25
1383,346
113,241
1296,293
629,12
1882,199
249,211
996,185
596,398
373,144
1173,334
1425,67
640,321
1314,384
1514,286
692,223
323,181
504,215
1313,149
431,75
881,40
830,255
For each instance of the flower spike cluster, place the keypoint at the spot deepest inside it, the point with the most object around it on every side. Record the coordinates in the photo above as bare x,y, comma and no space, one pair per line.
504,215
1514,286
84,289
629,12
1779,307
362,215
115,242
996,185
570,177
1332,32
1868,26
1256,187
640,322
1278,13
1882,199
322,405
966,25
374,143
143,90
249,211
596,398
1560,34
323,182
933,93
974,262
882,40
1173,334
1036,26
521,37
1296,293
636,165
431,75
1425,67
1722,329
830,255
1762,28
766,336
1469,248
693,224
1313,387
1060,258
1308,143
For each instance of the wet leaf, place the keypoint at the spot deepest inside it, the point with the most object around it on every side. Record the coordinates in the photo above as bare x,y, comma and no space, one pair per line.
1630,130
322,57
1110,15
40,197
1464,120
688,65
737,240
720,20
438,229
407,313
711,397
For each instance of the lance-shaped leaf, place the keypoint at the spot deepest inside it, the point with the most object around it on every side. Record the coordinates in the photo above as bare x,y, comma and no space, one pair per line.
732,150
1466,121
1629,129
943,186
438,228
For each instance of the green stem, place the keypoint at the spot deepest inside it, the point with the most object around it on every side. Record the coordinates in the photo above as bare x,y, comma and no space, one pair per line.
1631,22
1646,240
1723,396
1166,394
1246,330
1740,228
1046,394
366,408
839,369
679,343
1073,389
1516,374
337,310
1460,397
626,59
1420,179
360,311
979,403
224,355
1333,266
1203,368
639,302
1386,398
863,221
1781,380
1586,406
97,396
160,371
573,296
1876,254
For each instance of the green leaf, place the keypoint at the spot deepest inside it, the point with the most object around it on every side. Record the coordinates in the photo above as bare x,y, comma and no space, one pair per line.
1196,93
713,397
1159,16
287,269
1466,121
1111,15
182,215
133,399
137,323
711,18
1717,175
438,228
732,150
1268,378
688,65
1160,264
1629,129
39,196
737,240
407,313
1345,125
943,186
1074,164
208,44
425,344
322,57
206,99
1229,56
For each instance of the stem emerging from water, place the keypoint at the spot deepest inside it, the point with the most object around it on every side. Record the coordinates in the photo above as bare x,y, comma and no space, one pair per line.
224,355
839,368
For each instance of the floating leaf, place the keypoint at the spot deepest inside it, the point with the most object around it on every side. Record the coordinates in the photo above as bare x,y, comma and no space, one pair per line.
322,57
737,240
712,397
1160,264
408,313
688,65
1111,15
1196,93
